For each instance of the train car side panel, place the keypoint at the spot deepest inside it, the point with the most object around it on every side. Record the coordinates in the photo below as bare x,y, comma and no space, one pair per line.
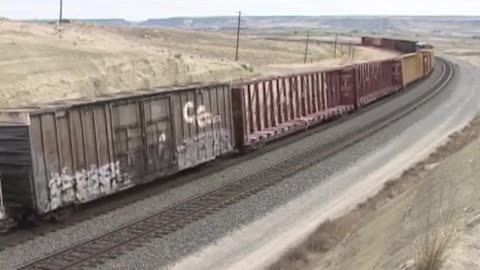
376,80
158,135
405,46
428,61
270,108
78,151
203,124
15,161
412,68
371,41
73,158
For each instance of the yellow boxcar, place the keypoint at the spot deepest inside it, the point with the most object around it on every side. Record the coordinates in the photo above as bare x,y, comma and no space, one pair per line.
429,60
413,67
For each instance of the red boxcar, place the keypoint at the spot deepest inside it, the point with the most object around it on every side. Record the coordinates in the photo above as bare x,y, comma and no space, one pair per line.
269,108
375,80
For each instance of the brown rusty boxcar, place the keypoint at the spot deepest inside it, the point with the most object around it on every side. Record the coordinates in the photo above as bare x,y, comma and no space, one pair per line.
77,151
404,46
269,108
371,41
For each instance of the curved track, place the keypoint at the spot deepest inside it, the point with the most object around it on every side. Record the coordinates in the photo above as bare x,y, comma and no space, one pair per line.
96,251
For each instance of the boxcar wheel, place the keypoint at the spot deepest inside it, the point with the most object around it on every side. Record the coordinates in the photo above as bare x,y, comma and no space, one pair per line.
59,215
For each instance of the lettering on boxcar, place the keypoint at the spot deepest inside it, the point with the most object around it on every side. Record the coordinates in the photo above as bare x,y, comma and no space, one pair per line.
83,186
201,117
203,148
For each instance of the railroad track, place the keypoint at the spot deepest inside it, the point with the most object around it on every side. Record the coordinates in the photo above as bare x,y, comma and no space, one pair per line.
96,251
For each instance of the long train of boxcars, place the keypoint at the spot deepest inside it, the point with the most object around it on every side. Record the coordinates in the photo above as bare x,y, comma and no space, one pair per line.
72,152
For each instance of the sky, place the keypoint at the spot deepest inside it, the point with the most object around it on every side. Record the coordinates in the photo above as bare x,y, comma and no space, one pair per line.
144,9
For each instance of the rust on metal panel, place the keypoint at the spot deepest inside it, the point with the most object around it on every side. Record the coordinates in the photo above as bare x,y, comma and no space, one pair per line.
376,80
282,105
78,151
347,95
79,166
240,115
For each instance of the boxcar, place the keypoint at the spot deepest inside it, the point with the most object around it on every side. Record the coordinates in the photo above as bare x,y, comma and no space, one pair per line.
412,67
77,151
375,80
428,61
269,108
371,41
403,46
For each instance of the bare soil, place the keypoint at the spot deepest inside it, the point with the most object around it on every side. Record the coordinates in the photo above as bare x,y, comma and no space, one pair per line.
380,233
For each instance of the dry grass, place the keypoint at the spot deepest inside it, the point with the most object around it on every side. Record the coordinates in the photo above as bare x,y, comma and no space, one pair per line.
430,252
437,219
430,249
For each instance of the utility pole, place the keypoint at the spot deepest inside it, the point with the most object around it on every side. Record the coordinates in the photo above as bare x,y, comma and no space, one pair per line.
349,49
238,34
335,47
306,46
61,13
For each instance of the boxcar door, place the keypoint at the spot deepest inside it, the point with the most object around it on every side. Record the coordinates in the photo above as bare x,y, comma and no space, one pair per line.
128,135
158,135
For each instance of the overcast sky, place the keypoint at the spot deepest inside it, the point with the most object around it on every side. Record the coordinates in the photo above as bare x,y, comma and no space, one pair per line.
143,9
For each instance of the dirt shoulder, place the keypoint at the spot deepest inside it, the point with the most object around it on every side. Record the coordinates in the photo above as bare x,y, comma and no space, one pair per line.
384,232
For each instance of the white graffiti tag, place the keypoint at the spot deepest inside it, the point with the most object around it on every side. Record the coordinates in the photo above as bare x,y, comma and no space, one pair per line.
202,117
83,186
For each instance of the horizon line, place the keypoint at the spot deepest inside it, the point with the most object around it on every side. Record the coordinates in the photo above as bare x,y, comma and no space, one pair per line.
245,16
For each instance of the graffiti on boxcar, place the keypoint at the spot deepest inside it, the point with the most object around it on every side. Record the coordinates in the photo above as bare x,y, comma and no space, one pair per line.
200,115
85,185
204,147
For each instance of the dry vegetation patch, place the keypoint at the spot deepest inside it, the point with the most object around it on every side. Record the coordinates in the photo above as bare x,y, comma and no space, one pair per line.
41,62
437,219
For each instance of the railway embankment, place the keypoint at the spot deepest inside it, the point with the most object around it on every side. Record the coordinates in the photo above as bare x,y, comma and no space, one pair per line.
433,208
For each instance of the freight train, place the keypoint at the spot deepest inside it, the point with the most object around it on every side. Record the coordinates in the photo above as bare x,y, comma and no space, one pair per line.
72,152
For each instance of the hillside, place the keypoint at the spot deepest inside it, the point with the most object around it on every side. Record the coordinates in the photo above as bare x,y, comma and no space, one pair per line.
363,24
40,62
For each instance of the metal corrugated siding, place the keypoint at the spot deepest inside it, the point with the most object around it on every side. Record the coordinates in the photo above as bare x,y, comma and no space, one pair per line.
412,68
16,166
